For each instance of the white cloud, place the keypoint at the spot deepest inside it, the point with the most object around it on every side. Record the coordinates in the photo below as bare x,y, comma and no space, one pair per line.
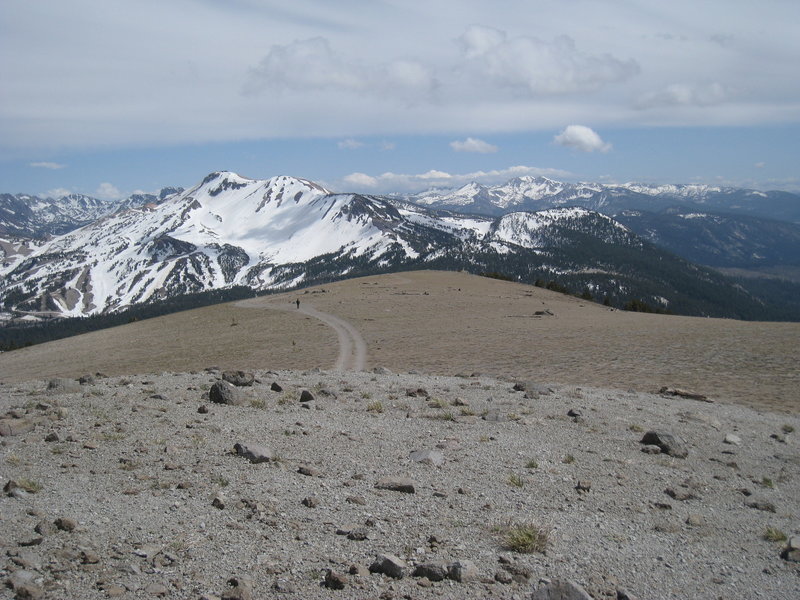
580,137
312,65
107,191
387,146
57,193
350,144
533,66
760,165
403,182
683,94
47,165
473,145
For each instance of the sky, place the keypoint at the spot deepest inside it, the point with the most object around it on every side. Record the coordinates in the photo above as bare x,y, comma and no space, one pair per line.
112,97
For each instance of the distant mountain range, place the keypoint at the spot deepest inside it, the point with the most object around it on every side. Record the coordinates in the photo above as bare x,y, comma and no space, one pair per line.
78,256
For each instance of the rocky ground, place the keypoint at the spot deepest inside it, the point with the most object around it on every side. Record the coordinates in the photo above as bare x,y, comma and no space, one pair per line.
383,485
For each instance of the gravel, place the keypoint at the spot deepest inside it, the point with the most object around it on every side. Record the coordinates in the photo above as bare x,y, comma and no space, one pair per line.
123,489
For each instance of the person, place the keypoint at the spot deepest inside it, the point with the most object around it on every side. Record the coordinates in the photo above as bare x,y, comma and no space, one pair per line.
298,303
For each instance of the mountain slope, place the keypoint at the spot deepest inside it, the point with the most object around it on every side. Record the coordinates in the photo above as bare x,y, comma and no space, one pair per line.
538,193
281,233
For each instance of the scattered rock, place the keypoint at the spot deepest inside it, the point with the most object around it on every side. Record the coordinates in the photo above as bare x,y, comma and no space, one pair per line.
792,551
669,443
695,520
65,524
311,501
435,571
761,505
276,387
462,571
334,580
62,385
417,393
203,410
306,396
223,392
390,565
10,427
255,453
428,457
560,589
240,589
669,391
397,484
309,471
733,439
583,487
679,495
239,378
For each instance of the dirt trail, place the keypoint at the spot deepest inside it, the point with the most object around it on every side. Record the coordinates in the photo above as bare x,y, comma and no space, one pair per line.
352,347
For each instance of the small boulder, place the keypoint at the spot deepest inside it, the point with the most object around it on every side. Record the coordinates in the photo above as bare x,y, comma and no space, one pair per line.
560,589
239,378
390,565
306,396
276,387
223,392
732,439
435,571
428,457
255,453
669,443
334,580
462,571
397,484
9,427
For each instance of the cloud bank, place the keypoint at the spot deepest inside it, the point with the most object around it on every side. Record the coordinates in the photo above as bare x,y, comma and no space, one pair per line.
403,182
473,145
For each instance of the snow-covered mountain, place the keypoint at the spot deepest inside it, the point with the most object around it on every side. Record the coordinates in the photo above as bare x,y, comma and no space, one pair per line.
24,215
285,232
538,193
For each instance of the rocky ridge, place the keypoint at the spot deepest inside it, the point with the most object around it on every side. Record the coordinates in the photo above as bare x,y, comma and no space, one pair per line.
367,485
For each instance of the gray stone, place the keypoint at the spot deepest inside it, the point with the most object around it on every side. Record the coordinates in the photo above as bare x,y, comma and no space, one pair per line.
435,571
334,580
462,571
65,524
428,457
761,505
255,453
560,589
306,396
239,378
389,565
223,392
397,484
276,387
10,427
494,416
669,443
733,439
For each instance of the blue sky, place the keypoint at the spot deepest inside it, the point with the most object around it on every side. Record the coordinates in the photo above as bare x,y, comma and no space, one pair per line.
108,97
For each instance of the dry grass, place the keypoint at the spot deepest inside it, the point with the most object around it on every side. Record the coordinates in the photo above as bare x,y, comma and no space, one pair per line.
407,322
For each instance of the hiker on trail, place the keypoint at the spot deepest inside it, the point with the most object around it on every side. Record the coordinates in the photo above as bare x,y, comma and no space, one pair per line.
298,303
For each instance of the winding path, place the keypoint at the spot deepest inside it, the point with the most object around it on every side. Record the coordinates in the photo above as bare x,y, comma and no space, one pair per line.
352,347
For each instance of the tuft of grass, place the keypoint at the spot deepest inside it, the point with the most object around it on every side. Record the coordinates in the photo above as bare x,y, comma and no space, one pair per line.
483,438
467,412
771,534
635,428
515,480
532,464
286,398
29,485
376,407
13,459
437,403
524,538
568,459
258,403
767,482
445,416
787,428
366,395
220,481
